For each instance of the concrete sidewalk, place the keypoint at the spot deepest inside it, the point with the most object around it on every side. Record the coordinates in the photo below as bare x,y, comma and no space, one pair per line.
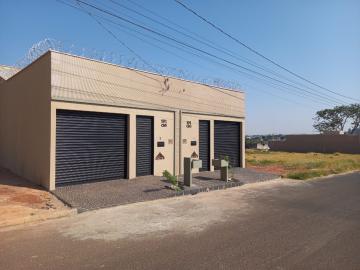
23,202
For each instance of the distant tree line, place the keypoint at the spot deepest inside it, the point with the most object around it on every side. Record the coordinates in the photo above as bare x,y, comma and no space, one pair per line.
338,119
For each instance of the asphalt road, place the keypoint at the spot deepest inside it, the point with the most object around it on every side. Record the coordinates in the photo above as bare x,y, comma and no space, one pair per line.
272,225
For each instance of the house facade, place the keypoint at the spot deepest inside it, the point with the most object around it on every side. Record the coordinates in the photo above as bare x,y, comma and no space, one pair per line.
66,119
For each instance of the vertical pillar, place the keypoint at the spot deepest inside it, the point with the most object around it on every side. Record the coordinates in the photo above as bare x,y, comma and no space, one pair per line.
177,142
132,146
187,172
51,184
242,145
212,144
224,173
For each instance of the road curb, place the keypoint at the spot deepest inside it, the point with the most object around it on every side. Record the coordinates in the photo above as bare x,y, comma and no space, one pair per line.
328,176
38,218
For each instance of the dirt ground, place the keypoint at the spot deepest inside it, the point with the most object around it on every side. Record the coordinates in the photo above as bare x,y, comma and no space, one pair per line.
23,202
275,169
301,165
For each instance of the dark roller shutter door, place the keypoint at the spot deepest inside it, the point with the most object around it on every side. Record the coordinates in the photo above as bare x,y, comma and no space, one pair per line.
90,146
144,145
227,141
204,144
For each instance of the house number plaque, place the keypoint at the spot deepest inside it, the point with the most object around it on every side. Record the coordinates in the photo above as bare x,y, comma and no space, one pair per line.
163,123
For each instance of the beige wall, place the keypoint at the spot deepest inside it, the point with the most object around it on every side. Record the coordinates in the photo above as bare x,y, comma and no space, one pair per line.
190,134
165,134
77,79
25,122
80,80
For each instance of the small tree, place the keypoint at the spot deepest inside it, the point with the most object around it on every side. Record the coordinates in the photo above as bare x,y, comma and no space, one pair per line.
172,179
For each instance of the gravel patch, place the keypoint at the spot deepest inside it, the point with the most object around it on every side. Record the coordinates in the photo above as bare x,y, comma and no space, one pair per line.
103,194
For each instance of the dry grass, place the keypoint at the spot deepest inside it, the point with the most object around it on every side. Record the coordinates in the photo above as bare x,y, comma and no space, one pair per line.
301,165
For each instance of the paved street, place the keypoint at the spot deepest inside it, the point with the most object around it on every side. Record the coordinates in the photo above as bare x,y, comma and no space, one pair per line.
283,224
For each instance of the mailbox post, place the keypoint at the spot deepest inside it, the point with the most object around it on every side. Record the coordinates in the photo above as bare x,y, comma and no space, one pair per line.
223,165
190,164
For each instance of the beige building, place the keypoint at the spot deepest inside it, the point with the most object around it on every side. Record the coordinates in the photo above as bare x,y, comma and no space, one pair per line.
66,119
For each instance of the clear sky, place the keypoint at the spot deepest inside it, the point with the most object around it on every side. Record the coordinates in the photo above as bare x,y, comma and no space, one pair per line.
317,39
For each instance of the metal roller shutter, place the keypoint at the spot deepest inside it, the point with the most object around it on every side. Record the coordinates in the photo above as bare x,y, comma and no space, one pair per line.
90,146
227,141
204,144
144,145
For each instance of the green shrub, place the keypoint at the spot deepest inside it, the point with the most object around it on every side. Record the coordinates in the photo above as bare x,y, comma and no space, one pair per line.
171,178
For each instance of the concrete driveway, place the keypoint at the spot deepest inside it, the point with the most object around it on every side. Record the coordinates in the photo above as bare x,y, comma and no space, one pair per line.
282,224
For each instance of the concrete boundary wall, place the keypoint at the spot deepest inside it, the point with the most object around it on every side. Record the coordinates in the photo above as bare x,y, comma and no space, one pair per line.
25,122
318,143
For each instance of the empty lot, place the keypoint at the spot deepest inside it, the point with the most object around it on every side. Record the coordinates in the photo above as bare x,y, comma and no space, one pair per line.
301,165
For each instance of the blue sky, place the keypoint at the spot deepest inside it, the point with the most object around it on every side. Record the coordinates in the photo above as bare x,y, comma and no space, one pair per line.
317,39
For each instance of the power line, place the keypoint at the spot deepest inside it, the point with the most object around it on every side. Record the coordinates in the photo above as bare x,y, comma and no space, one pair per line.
258,53
300,94
251,76
81,9
114,36
203,51
206,42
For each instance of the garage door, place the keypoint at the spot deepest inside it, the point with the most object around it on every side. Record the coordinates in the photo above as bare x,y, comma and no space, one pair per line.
227,141
90,146
204,144
144,145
